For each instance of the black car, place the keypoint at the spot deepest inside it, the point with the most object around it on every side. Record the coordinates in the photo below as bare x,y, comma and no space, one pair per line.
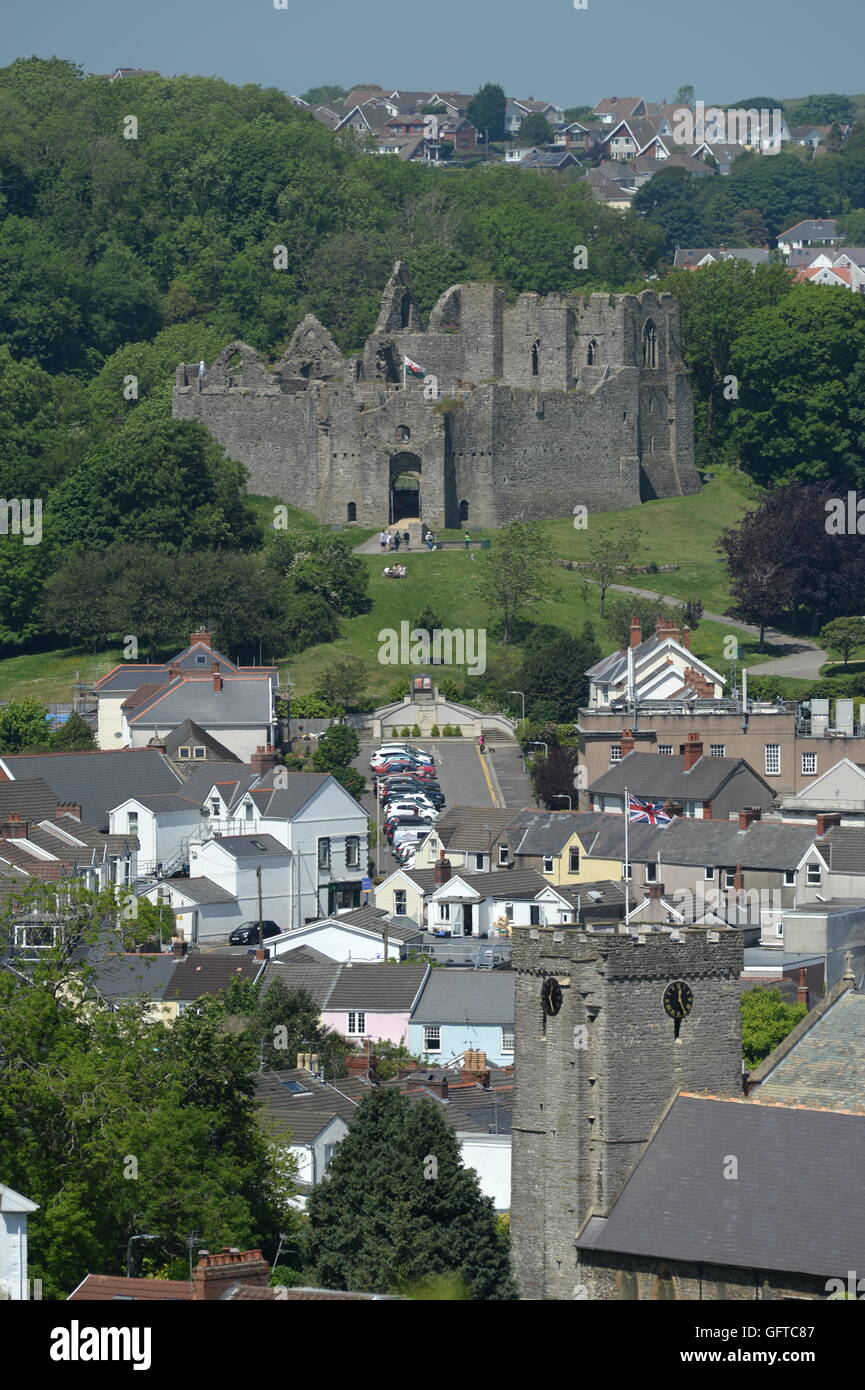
247,933
393,790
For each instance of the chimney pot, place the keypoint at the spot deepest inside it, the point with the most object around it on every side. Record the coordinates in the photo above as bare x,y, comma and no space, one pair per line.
825,821
200,636
626,743
636,635
802,992
692,750
442,870
217,682
655,890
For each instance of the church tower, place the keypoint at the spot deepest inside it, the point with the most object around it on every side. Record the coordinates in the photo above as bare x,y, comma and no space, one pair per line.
610,1025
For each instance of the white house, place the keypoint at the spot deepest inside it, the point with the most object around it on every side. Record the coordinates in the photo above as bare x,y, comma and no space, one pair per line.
351,936
233,863
661,667
14,1211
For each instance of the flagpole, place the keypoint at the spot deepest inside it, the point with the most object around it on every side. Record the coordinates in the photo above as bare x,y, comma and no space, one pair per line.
627,865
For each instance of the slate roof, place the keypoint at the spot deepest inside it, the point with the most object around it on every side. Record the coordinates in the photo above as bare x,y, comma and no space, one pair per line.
285,802
126,976
800,1209
373,918
188,734
811,229
304,1114
826,1066
846,848
233,780
103,1288
500,884
97,781
209,974
378,986
473,828
647,774
764,845
243,700
306,955
471,997
543,832
31,798
200,890
317,980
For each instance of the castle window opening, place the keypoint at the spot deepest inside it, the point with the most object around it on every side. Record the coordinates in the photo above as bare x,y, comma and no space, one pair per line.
405,310
536,357
351,512
650,344
592,353
464,511
403,434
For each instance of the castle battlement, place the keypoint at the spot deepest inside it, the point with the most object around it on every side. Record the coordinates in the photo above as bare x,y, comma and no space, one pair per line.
569,399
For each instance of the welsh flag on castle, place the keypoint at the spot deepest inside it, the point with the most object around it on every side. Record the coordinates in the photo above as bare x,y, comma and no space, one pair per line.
412,368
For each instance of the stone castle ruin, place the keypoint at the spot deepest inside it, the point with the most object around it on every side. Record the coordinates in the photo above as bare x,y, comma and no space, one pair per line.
537,407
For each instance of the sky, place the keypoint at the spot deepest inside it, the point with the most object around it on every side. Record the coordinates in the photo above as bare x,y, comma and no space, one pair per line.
728,50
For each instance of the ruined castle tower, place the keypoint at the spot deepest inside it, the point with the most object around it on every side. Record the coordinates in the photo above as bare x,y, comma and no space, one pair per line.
610,1025
526,410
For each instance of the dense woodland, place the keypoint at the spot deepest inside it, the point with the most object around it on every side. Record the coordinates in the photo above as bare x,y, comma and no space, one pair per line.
121,256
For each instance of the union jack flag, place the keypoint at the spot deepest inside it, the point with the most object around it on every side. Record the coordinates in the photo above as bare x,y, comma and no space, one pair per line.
647,812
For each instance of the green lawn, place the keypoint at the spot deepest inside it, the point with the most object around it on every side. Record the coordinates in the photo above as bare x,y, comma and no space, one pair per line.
50,676
677,530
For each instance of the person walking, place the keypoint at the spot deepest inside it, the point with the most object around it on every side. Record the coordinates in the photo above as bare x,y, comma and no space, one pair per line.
396,540
482,743
406,539
467,540
382,540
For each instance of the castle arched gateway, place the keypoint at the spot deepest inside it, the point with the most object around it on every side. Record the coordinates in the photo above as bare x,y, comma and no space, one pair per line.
523,410
405,487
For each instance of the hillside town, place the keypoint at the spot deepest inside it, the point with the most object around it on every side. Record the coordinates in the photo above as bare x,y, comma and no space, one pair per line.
493,935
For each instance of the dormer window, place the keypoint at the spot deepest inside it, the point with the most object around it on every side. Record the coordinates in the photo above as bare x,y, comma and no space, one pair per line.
183,752
199,751
503,855
214,808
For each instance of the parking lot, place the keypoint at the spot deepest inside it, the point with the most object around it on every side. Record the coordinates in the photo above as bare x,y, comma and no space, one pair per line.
467,778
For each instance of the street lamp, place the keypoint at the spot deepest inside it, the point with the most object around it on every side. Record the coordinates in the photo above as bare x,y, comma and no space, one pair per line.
129,1251
523,698
563,796
539,743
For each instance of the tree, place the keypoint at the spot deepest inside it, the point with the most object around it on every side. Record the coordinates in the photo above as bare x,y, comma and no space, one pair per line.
766,1022
486,111
337,747
692,613
821,109
285,1022
325,96
621,609
74,736
535,130
845,636
553,777
23,724
852,227
342,683
553,673
397,1208
684,96
513,576
613,551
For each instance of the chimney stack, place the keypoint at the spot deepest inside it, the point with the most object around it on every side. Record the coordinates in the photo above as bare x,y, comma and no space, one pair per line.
442,871
264,758
69,808
686,637
825,821
802,994
626,743
173,669
14,828
738,879
693,751
217,678
200,636
179,947
636,635
748,815
214,1274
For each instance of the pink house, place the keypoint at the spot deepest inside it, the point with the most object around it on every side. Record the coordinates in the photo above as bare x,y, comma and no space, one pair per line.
369,1000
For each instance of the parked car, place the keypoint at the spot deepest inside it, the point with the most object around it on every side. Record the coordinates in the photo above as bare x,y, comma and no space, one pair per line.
247,933
411,808
399,750
418,799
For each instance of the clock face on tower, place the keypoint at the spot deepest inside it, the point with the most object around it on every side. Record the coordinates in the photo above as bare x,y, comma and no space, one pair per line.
678,1000
551,996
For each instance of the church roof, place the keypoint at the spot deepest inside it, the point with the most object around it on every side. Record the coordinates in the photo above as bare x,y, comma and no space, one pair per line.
799,1209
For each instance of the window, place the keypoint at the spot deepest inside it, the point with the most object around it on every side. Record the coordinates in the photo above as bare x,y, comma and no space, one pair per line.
772,765
591,353
479,861
444,912
789,878
813,874
729,878
199,752
650,344
574,859
247,811
779,928
432,1038
615,752
464,511
548,863
809,764
717,750
399,906
132,823
709,873
183,752
200,660
403,434
536,357
324,854
652,873
508,1039
352,852
351,511
356,1024
534,914
665,749
626,871
214,808
329,1151
503,854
